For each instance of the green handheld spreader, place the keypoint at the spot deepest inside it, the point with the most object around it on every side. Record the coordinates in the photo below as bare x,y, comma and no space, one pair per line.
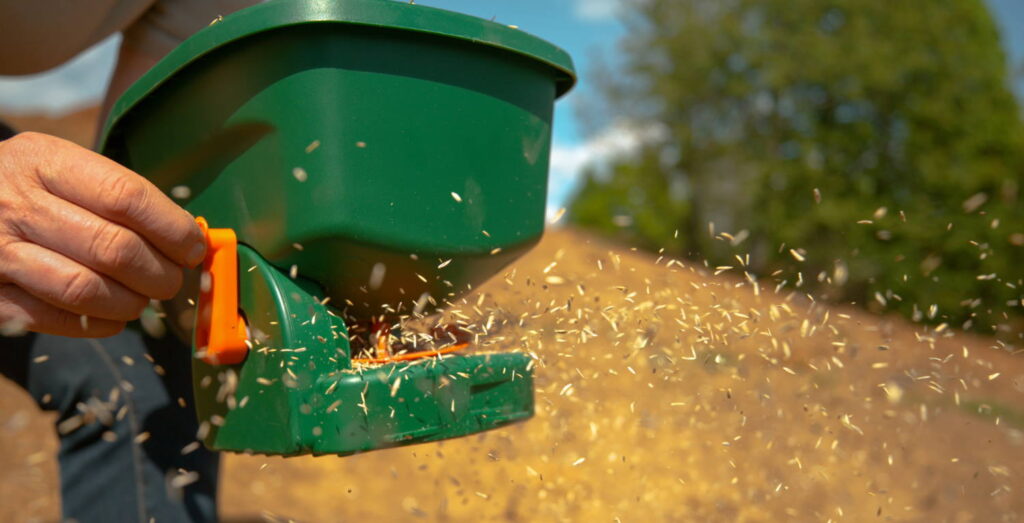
358,161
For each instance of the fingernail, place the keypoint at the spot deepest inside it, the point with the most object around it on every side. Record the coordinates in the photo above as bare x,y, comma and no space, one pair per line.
196,255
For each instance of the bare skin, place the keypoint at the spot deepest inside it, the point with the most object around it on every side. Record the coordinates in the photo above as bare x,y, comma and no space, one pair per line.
80,236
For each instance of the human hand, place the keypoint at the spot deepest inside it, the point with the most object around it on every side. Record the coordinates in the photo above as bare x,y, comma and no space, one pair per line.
84,242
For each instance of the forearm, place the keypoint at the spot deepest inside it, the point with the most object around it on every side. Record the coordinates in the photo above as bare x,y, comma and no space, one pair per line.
38,35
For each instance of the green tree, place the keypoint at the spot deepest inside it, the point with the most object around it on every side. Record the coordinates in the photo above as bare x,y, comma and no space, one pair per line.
898,114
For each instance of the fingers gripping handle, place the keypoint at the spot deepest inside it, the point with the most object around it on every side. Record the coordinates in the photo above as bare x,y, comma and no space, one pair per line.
220,336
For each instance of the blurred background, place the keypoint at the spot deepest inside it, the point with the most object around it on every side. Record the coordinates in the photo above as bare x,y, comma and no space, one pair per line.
868,154
870,151
872,148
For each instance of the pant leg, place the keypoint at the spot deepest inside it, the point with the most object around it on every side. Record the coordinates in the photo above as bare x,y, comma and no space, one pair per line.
122,428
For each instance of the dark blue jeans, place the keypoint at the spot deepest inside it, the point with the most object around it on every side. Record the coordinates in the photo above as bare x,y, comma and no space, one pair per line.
127,429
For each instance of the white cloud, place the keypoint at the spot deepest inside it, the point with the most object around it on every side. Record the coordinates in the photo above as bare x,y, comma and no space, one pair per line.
616,140
78,83
568,161
596,10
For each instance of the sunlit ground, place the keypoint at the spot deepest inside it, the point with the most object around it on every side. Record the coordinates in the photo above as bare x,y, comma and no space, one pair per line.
665,392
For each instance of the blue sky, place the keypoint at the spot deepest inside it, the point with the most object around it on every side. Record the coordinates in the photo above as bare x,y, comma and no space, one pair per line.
581,27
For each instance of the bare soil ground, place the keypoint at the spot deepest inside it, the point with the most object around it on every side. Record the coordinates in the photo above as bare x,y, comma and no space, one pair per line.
664,392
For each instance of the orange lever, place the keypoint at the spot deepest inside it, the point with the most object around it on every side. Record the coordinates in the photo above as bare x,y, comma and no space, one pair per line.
220,330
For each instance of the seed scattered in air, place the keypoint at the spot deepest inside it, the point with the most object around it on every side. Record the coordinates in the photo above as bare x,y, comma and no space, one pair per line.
377,275
182,480
456,197
747,373
974,202
181,192
300,174
557,216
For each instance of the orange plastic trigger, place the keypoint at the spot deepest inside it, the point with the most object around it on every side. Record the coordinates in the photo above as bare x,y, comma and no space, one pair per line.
220,329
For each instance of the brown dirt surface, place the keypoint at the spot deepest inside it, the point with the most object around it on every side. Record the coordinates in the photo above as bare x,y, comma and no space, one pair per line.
666,393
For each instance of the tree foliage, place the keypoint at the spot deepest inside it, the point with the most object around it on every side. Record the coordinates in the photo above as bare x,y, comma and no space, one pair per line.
898,114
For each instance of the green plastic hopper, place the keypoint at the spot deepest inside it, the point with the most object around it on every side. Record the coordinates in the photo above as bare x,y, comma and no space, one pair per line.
352,146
